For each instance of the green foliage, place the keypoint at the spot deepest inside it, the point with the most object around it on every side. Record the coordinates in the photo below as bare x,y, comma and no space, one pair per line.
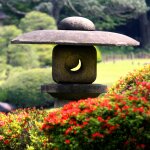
3,94
116,12
27,56
117,50
23,89
7,33
21,130
99,55
15,70
37,21
138,5
3,67
106,14
23,55
44,53
16,9
45,7
8,70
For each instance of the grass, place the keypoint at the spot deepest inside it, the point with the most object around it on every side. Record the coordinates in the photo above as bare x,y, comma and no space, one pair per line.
109,72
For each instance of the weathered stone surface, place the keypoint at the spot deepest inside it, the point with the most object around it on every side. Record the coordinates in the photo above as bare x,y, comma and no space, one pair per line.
6,107
76,23
74,91
60,103
66,57
69,37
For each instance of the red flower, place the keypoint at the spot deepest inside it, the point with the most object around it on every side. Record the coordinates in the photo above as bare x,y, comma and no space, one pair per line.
118,97
6,142
144,99
126,142
85,123
1,137
106,103
72,122
68,130
126,107
97,134
2,123
140,146
67,141
86,111
46,127
133,98
140,109
116,113
143,83
100,119
108,118
117,107
112,128
148,86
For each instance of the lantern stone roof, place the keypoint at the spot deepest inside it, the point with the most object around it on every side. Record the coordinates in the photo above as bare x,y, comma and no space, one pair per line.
75,31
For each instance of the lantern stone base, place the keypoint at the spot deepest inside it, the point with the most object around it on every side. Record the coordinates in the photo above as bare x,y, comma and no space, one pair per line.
60,103
71,92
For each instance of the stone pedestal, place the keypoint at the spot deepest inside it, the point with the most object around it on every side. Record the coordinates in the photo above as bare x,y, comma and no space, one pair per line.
60,103
65,93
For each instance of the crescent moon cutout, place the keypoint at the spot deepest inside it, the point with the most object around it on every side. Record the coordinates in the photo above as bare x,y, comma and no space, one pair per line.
77,67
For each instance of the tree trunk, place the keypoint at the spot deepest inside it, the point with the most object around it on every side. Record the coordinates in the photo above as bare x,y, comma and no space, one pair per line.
57,6
145,30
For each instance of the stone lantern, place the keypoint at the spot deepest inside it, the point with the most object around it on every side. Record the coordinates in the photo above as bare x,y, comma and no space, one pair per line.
74,57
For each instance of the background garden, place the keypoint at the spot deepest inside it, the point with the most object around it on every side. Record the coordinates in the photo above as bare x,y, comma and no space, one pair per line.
24,68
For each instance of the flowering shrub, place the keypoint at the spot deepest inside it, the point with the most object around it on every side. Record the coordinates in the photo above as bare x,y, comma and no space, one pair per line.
21,130
118,120
132,80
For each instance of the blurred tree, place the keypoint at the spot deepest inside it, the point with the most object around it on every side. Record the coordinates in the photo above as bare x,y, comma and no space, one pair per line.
26,56
15,55
44,53
106,14
7,33
144,23
3,67
17,9
23,56
23,89
37,21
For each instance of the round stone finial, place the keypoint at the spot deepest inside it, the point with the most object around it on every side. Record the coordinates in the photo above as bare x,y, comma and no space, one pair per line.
76,23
